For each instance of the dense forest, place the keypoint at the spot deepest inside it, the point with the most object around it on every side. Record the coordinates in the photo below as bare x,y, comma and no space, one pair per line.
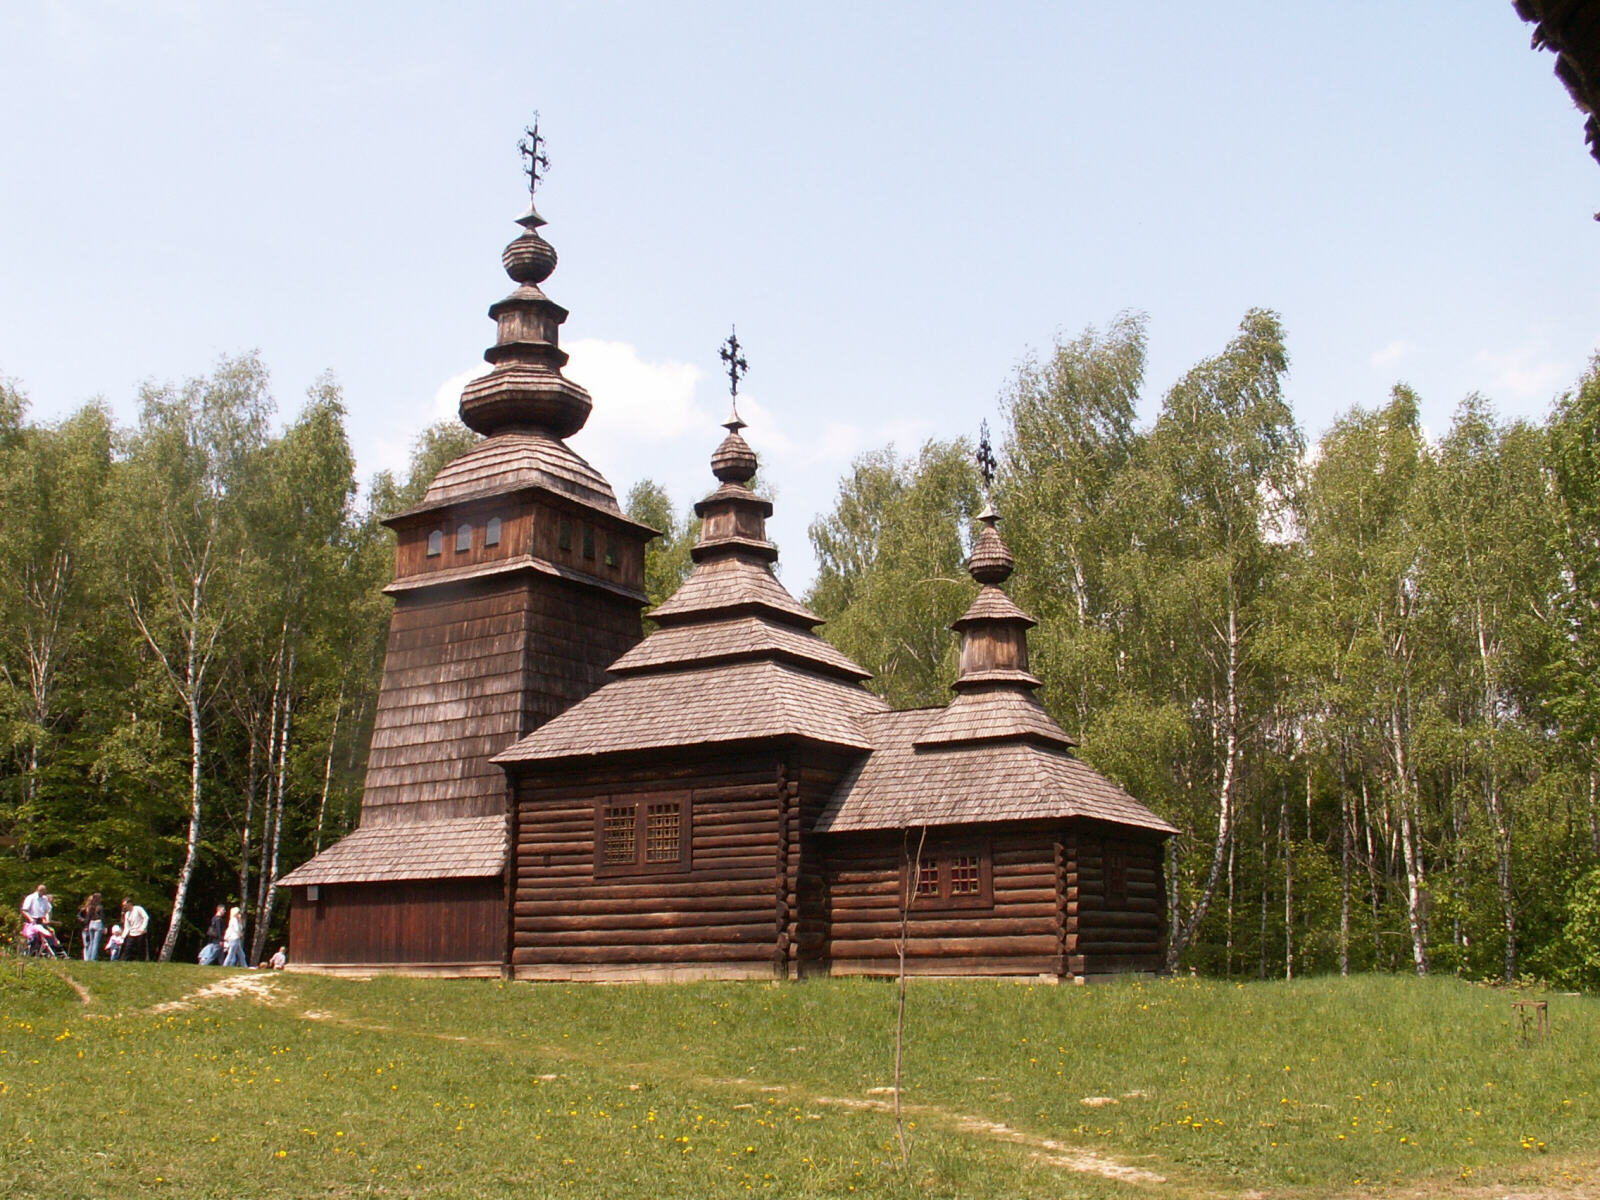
1359,675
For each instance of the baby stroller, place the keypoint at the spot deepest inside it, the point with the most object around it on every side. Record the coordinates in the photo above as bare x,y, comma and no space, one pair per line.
40,941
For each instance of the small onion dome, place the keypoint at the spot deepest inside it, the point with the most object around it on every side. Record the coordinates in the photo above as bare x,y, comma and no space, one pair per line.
530,259
991,561
734,461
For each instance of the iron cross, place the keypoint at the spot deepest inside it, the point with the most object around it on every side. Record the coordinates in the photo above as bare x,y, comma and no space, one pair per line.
535,162
986,461
737,367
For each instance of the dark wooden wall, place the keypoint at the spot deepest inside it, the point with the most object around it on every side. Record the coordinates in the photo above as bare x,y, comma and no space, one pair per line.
456,922
1124,933
749,903
1021,933
469,669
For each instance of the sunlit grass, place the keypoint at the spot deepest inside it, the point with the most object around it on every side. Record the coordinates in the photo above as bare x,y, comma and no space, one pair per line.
463,1088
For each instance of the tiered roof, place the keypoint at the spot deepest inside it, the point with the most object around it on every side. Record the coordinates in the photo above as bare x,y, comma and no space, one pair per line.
994,754
734,658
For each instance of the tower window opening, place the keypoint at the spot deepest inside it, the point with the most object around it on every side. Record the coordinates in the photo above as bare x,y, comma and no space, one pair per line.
463,538
588,541
564,534
491,532
436,543
611,550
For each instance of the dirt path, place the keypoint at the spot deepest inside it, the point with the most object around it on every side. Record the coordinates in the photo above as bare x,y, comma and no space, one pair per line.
1044,1150
257,987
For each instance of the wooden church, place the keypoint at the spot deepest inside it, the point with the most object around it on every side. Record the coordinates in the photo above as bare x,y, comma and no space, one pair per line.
551,795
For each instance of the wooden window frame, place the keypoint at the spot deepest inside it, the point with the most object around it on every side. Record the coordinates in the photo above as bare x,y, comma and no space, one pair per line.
939,861
640,806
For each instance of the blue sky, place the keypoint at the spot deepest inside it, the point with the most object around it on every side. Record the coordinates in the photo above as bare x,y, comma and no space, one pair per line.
895,202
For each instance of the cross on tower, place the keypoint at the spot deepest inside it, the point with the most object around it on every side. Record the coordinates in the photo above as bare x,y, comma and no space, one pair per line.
535,162
985,456
737,367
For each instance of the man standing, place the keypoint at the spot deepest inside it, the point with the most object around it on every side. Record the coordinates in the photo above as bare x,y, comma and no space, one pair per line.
36,905
135,924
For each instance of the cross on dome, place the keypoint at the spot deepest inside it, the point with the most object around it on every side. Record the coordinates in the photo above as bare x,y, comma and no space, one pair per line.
535,162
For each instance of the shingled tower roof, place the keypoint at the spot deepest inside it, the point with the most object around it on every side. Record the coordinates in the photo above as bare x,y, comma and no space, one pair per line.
994,754
525,407
733,658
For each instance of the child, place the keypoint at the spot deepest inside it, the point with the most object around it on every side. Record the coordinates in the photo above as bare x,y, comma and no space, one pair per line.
114,945
281,958
41,939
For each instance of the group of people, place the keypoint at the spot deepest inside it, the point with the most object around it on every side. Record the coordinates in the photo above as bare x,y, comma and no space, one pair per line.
127,937
224,938
225,942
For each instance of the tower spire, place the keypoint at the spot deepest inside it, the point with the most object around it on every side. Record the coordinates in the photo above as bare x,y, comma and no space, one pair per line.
526,390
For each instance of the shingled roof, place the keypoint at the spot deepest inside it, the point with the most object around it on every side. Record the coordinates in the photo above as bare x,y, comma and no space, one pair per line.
994,754
903,784
734,659
461,847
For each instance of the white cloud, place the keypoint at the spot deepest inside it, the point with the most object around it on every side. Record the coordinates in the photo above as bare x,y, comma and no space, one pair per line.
447,397
1522,372
1391,354
635,400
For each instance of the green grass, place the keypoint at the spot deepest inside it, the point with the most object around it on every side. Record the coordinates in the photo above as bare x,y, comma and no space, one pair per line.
464,1088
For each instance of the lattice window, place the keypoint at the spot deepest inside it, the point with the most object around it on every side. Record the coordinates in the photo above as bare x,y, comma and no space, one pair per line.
966,876
954,876
618,847
664,833
643,835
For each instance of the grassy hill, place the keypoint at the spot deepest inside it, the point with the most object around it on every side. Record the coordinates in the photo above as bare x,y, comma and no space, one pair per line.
134,1080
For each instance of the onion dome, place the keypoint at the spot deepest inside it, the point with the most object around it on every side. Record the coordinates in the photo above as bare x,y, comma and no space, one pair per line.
991,560
733,461
526,390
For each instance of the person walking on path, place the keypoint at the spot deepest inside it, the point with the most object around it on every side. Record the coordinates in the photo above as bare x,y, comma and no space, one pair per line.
92,916
233,940
135,924
211,952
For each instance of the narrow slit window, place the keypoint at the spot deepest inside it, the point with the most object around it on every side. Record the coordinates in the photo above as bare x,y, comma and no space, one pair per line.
1116,873
564,534
588,541
611,550
463,538
436,542
491,532
618,849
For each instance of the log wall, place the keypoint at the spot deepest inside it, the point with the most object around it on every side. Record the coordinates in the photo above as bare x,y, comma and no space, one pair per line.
1120,932
748,904
458,922
1020,933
